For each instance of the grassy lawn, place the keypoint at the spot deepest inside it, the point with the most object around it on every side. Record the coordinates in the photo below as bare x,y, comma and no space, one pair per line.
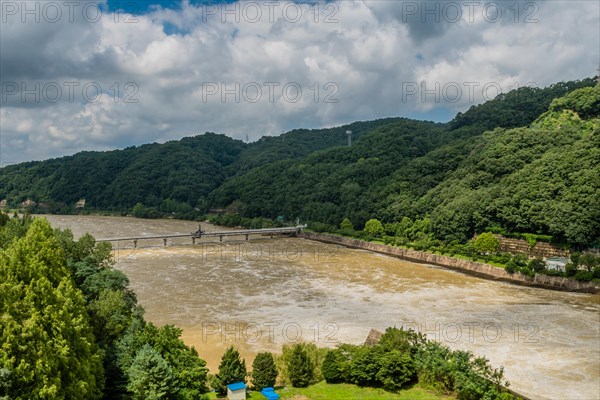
343,391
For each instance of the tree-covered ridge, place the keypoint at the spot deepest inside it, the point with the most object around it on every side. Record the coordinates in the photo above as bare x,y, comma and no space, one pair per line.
541,179
544,179
525,162
517,108
299,143
326,184
183,171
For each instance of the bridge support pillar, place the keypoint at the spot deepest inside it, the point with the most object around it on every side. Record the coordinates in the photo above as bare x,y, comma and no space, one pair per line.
165,241
193,240
246,237
220,238
135,244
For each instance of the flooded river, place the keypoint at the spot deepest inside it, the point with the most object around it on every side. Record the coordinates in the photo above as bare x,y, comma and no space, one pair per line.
260,294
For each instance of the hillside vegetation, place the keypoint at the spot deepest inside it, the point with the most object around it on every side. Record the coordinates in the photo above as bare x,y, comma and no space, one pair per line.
527,161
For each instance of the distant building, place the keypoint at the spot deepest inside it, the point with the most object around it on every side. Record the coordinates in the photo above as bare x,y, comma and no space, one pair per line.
556,263
236,391
80,204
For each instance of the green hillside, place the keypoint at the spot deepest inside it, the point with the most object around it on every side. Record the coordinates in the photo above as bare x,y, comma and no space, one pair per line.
527,161
540,179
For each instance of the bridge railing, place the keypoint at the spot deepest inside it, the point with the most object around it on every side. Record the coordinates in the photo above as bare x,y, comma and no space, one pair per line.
200,234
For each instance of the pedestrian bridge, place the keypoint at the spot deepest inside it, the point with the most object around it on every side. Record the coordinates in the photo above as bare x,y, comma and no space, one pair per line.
199,234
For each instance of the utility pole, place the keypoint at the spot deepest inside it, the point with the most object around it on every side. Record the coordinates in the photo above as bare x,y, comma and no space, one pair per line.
349,134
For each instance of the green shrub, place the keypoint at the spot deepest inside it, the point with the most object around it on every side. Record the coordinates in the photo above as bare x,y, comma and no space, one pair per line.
365,366
434,368
336,365
511,267
264,371
346,225
584,276
486,243
521,260
374,228
300,367
570,269
527,271
395,370
537,265
347,232
321,227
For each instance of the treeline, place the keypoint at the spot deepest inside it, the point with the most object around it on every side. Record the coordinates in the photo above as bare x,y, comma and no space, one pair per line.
401,359
72,328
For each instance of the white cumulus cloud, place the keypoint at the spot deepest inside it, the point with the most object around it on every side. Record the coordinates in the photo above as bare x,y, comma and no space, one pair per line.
259,68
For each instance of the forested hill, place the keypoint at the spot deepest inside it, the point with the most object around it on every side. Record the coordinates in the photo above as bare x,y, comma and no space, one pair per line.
452,183
184,171
508,164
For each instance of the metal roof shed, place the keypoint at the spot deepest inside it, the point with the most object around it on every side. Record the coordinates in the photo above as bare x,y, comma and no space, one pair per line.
236,391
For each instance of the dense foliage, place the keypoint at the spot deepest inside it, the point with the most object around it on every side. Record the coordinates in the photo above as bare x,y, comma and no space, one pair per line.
264,371
300,367
232,369
72,328
315,355
526,162
403,357
183,171
48,349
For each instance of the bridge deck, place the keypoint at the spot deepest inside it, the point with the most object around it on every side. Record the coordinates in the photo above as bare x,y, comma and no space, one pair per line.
219,234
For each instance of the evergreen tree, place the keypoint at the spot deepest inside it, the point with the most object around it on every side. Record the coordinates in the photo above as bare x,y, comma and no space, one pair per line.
150,376
346,225
335,367
300,368
231,370
48,349
264,372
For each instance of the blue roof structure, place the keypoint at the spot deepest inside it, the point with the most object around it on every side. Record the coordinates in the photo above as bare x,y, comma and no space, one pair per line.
236,386
269,393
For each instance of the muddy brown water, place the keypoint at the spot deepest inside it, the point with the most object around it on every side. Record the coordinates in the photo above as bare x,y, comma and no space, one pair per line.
261,294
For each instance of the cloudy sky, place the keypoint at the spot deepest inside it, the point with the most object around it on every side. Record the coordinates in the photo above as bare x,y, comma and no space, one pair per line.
98,75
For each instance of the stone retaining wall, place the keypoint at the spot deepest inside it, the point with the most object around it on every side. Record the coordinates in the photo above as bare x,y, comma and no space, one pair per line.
541,249
473,268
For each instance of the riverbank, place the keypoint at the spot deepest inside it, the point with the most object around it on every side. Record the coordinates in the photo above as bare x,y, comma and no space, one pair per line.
478,269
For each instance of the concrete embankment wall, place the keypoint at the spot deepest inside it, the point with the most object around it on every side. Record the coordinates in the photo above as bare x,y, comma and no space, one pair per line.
473,268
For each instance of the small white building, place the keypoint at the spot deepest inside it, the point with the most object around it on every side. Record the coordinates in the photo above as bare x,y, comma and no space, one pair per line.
556,263
236,391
